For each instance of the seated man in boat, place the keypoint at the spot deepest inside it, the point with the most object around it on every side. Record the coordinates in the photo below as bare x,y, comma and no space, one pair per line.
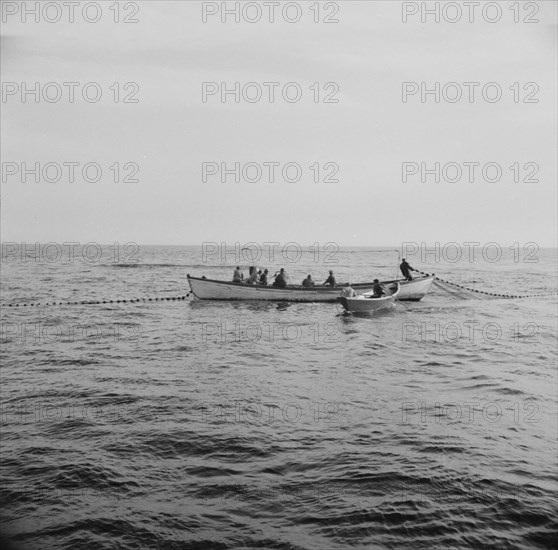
406,270
330,280
280,279
378,289
308,282
237,276
253,278
347,291
263,277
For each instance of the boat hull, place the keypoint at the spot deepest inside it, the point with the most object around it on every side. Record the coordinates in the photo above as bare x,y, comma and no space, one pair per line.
409,291
210,289
207,289
367,304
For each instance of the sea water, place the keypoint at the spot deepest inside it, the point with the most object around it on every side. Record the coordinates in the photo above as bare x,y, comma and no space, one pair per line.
190,424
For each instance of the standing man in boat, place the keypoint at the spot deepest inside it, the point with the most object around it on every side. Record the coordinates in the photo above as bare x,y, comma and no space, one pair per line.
237,276
330,280
406,270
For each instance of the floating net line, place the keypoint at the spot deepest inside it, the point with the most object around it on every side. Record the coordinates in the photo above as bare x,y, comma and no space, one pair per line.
454,289
98,302
457,289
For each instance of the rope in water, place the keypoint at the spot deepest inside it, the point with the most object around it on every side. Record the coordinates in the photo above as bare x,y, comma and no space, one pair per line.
493,294
178,298
99,302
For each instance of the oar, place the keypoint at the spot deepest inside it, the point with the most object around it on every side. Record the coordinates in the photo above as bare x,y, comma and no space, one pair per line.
395,297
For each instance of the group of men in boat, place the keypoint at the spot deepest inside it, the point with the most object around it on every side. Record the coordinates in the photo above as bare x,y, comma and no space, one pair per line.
259,277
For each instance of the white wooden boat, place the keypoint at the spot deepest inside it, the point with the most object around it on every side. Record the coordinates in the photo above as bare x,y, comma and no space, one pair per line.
410,291
366,303
211,289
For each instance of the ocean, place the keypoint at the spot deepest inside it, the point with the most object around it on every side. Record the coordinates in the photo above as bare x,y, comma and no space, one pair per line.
185,424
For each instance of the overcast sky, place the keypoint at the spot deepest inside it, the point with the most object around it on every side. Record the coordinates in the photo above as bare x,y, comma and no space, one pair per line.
369,133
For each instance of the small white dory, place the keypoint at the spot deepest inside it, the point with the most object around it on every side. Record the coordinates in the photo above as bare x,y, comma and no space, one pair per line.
366,303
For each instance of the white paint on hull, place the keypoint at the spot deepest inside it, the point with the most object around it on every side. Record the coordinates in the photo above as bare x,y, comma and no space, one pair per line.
367,304
209,289
413,290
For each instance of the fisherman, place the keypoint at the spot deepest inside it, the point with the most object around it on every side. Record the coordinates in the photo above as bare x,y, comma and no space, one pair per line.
347,291
253,279
378,289
280,279
406,270
237,276
263,277
330,280
308,282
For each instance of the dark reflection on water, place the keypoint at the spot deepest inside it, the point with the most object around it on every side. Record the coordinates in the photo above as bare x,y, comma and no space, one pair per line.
240,306
227,425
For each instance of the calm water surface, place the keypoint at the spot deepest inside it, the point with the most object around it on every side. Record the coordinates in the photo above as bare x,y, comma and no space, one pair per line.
188,424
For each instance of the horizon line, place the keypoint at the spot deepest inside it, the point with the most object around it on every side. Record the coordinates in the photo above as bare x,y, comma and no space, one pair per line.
230,243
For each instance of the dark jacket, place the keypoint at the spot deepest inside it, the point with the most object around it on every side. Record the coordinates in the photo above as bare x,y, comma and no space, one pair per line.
378,290
280,281
406,269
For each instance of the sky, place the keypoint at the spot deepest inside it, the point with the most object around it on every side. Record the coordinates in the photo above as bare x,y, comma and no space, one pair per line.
362,140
